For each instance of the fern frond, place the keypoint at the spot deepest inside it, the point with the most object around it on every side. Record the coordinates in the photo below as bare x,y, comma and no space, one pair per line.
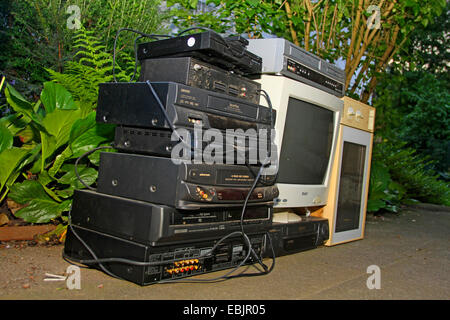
91,67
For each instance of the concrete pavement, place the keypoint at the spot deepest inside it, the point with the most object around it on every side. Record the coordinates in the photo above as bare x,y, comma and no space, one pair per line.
411,249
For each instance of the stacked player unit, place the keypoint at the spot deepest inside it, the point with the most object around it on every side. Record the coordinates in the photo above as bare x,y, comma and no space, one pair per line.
161,212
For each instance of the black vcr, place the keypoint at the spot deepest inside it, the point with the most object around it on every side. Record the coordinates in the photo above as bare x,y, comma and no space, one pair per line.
157,225
196,73
292,237
183,185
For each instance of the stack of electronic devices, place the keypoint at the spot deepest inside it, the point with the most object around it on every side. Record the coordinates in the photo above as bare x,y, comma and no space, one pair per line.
152,219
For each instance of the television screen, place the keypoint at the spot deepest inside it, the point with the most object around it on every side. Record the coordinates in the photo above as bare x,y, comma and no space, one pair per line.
307,142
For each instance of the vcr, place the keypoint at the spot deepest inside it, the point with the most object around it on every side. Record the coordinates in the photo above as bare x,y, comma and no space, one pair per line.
283,57
134,104
199,74
292,237
183,185
157,225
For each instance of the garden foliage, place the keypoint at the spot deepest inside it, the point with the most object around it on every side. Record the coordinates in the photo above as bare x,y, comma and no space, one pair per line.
41,140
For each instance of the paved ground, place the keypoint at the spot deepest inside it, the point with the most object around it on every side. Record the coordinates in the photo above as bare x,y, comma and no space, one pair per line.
411,249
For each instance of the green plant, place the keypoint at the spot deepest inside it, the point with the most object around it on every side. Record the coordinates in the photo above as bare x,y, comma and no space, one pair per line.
400,176
332,29
413,106
92,66
36,34
42,142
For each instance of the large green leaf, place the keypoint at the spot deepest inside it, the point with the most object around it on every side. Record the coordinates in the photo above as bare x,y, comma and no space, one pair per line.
55,96
58,125
92,138
20,105
88,175
43,210
81,126
14,122
9,160
26,191
6,137
40,207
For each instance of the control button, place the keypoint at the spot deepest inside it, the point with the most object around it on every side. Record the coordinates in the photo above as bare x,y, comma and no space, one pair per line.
359,114
350,111
317,200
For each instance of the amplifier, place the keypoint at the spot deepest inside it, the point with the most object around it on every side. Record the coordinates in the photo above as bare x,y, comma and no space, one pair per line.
235,149
199,74
168,263
156,225
283,57
184,185
133,104
292,237
227,53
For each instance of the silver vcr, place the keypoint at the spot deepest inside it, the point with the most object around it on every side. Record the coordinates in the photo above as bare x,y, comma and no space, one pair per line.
282,57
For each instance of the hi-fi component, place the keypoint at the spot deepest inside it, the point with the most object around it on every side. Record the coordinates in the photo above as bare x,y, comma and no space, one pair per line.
199,74
134,104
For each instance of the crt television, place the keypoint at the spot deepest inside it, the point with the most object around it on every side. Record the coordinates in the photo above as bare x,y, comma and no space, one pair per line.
306,132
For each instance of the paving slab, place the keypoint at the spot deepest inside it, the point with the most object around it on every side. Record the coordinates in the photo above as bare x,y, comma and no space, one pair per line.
411,249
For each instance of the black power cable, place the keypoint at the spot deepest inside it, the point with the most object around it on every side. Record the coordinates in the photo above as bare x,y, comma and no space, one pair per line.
141,35
81,157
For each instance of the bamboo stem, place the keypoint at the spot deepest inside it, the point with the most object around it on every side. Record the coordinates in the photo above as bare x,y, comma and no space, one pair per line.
291,25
